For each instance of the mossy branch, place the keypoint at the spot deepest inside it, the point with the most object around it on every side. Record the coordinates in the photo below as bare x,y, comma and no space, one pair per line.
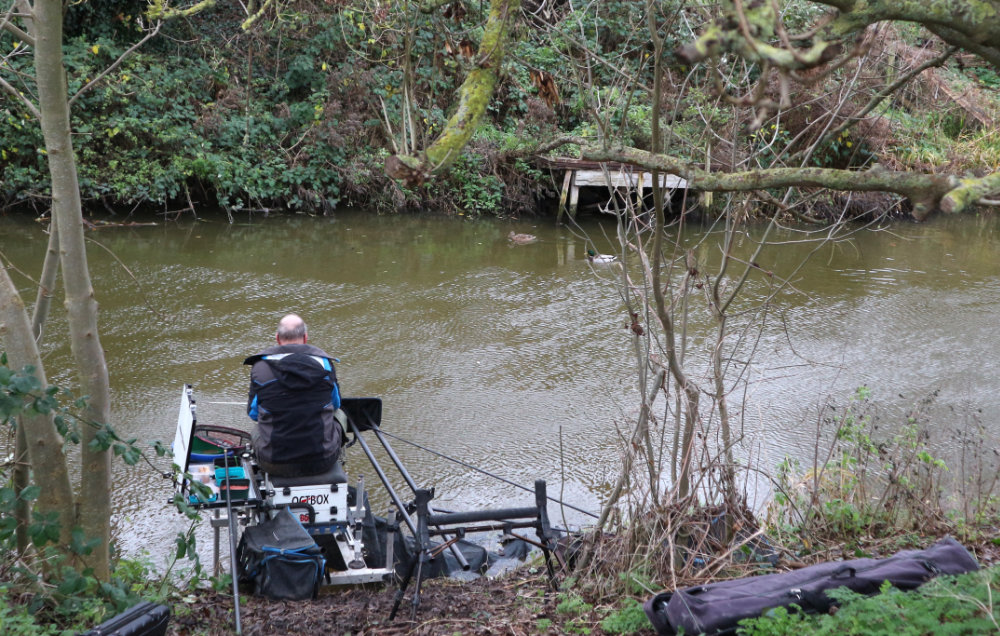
970,192
746,32
249,22
159,10
927,192
973,25
747,29
474,96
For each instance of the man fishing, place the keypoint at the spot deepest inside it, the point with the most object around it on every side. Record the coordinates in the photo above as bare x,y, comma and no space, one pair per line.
293,397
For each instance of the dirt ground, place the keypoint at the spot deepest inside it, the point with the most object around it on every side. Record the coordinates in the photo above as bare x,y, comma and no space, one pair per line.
517,604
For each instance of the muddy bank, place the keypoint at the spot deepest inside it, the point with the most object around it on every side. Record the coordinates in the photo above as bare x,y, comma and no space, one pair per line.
518,604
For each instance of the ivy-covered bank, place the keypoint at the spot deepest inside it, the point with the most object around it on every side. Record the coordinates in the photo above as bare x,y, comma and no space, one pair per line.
301,108
300,111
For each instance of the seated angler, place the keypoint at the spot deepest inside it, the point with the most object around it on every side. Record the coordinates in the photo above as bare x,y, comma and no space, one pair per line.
293,398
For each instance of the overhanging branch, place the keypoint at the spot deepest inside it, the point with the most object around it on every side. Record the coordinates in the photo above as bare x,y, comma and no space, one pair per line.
970,192
927,192
924,191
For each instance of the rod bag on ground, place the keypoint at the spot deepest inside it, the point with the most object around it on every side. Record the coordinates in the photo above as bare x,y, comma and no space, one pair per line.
143,619
717,608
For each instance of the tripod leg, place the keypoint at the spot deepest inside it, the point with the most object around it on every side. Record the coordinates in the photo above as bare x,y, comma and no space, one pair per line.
402,587
416,589
551,570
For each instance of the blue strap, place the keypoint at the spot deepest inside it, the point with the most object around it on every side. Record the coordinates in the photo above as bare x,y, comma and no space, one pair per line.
252,409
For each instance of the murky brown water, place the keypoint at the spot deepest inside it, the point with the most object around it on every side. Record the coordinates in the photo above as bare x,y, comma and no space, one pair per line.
512,359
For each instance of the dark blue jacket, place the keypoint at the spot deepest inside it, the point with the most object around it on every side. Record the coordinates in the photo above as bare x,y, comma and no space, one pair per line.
293,396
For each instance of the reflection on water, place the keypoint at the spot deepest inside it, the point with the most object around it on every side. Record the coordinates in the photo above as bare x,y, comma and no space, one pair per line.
512,359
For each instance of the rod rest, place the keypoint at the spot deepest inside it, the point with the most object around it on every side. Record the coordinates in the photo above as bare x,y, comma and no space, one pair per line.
335,475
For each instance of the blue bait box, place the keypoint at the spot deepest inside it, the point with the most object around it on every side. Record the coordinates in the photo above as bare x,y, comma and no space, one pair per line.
235,472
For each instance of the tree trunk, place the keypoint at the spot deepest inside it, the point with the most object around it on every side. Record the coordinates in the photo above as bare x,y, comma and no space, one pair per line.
21,480
22,464
44,444
95,484
47,283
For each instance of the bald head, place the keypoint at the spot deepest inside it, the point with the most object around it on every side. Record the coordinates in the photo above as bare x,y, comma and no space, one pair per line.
291,330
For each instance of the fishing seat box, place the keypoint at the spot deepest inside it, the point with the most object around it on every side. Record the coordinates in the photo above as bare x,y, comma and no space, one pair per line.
143,619
325,493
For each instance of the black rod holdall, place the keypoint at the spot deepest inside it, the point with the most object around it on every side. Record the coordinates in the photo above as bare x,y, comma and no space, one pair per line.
143,619
717,608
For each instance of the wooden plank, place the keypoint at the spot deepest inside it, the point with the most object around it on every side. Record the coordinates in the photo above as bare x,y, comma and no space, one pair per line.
574,197
567,179
621,179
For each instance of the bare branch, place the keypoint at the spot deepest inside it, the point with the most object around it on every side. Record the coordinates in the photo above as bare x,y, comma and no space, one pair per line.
21,98
429,6
121,58
881,96
8,26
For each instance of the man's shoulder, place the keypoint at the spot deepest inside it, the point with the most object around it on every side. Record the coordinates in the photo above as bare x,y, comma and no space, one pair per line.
307,349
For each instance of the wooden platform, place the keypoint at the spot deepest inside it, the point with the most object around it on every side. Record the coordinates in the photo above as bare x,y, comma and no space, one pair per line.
611,176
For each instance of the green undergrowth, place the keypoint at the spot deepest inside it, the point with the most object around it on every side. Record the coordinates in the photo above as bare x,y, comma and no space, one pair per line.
575,615
301,111
883,485
885,479
298,116
46,586
951,605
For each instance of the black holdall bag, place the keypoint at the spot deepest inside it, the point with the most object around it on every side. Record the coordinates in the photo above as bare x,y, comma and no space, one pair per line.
717,608
143,619
281,560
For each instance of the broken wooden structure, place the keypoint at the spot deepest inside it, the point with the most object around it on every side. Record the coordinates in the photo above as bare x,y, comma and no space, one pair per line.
614,178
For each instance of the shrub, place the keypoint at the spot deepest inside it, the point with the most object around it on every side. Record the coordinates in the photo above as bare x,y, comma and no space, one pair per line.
946,605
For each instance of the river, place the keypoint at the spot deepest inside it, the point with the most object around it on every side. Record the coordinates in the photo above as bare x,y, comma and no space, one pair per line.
513,359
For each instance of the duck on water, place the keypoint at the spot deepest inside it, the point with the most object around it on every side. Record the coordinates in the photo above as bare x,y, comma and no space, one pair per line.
601,259
521,239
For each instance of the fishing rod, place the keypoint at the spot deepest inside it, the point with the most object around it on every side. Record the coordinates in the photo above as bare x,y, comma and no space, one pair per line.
485,472
461,463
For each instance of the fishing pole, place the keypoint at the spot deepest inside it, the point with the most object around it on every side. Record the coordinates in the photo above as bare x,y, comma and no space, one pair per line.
461,463
485,472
